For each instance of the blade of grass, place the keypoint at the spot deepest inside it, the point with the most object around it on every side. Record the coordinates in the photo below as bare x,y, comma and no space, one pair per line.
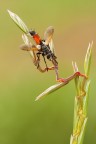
56,86
50,90
18,22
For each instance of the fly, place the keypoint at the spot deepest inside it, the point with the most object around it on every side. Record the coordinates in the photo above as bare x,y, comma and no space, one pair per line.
43,47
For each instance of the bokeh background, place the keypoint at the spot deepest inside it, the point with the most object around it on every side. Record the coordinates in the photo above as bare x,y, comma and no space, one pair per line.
50,120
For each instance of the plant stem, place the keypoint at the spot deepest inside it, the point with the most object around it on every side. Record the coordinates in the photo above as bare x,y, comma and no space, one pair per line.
81,101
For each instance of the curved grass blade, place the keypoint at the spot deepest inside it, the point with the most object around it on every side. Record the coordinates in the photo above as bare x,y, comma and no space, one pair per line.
18,22
56,86
50,90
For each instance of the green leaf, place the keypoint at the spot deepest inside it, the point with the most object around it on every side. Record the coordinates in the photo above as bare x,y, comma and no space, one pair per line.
18,22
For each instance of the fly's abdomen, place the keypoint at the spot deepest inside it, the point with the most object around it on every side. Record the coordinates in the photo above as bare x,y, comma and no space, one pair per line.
47,52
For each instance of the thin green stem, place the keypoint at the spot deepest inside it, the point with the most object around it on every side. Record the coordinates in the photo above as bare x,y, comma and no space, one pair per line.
81,101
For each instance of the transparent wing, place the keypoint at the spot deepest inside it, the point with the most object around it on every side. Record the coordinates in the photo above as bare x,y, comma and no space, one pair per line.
25,47
28,46
51,45
48,34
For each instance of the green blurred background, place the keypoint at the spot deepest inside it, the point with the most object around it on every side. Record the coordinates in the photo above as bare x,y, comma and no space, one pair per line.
50,120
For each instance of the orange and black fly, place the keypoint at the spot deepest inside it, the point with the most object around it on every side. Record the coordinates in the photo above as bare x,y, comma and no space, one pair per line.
43,47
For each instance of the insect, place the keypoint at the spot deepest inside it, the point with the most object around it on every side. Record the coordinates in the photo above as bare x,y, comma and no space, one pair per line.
45,48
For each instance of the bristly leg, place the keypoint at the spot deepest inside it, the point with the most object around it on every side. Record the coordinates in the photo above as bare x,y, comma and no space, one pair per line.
69,78
80,74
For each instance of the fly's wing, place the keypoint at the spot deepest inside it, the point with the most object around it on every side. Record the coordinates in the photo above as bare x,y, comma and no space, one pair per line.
27,46
48,38
48,34
51,45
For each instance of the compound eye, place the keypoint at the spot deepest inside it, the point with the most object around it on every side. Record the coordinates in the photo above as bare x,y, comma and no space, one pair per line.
39,47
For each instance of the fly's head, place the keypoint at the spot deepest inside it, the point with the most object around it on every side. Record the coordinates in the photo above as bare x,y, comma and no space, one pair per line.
32,32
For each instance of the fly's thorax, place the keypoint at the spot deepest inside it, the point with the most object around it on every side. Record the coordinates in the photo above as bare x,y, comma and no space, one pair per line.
35,36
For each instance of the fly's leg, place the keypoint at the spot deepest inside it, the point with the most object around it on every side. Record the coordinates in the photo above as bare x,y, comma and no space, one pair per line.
45,62
55,63
38,59
58,79
67,80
